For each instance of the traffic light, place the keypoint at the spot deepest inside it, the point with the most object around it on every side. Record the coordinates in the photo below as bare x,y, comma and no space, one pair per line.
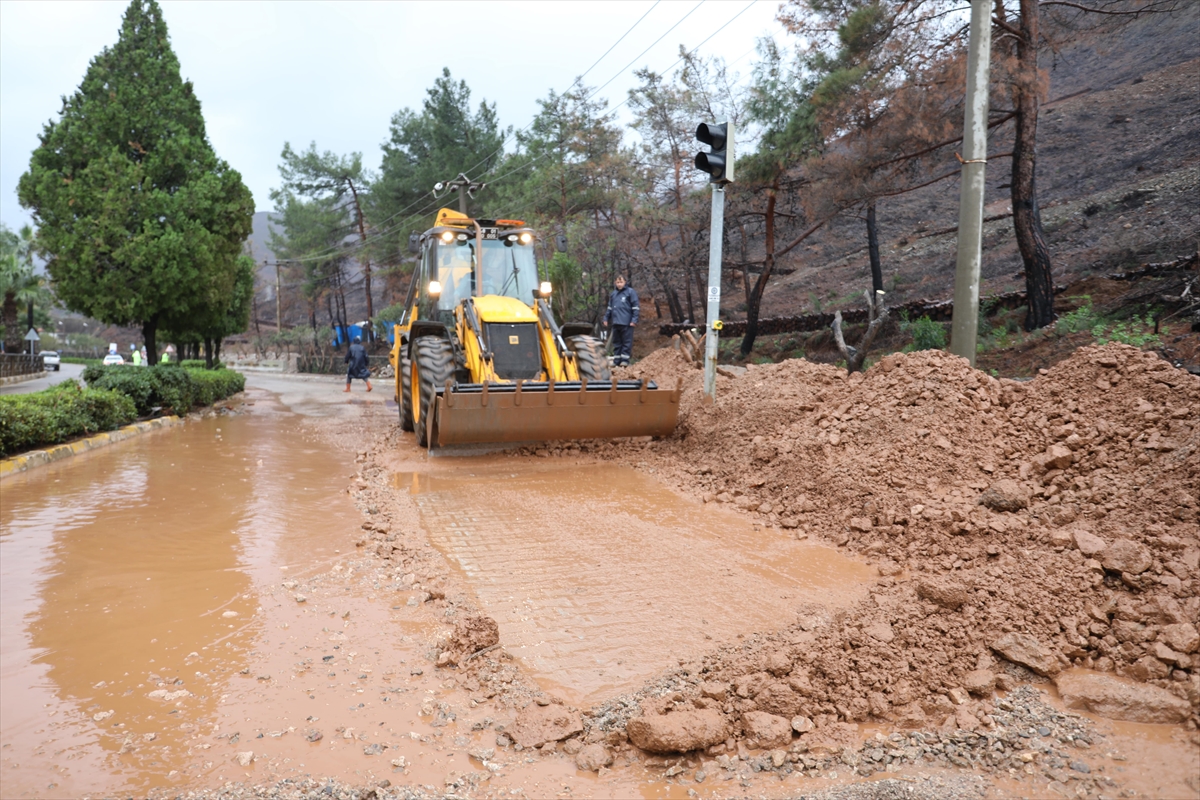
718,163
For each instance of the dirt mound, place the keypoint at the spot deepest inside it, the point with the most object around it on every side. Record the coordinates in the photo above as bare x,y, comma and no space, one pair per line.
1096,562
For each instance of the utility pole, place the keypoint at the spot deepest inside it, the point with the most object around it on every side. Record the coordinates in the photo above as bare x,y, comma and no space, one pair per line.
464,186
964,329
278,305
719,165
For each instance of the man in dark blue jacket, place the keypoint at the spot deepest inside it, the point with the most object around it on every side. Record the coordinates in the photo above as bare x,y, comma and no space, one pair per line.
359,365
622,314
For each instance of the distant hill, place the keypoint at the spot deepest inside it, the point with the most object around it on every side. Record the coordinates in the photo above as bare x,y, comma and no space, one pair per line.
260,236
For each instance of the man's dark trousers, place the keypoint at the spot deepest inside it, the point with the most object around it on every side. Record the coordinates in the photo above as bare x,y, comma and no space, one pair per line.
622,344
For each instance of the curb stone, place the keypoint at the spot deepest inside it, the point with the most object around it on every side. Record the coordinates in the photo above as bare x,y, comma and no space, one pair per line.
36,458
31,376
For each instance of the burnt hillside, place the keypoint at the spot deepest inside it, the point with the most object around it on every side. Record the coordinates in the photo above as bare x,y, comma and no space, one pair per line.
1119,154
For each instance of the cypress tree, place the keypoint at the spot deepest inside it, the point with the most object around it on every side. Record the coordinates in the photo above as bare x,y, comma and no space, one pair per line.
138,219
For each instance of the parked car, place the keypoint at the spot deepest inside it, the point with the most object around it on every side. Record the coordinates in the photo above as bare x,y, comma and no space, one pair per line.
51,360
113,358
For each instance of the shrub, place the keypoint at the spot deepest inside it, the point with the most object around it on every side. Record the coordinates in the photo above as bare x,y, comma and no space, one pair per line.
926,334
60,413
199,363
1083,318
1134,332
209,386
166,386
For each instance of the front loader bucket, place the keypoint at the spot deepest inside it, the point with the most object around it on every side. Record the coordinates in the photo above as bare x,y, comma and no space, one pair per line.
529,411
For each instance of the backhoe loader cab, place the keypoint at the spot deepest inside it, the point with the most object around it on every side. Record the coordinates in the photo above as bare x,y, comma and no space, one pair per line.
479,356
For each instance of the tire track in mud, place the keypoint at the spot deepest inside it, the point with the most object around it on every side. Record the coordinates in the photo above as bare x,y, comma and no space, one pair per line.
599,577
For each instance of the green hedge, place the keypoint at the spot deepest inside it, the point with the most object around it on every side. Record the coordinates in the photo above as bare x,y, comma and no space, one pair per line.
60,413
168,386
199,363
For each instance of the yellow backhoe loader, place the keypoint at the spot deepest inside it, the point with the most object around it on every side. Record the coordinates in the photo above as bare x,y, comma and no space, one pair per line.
479,357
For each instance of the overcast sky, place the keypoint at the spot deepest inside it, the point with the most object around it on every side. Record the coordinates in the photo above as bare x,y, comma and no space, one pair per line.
335,73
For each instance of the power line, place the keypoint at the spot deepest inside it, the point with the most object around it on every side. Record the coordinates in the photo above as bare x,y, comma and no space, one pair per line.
615,108
621,71
573,84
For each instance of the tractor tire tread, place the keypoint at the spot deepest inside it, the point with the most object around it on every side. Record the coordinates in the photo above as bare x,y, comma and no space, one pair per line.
404,401
590,358
434,362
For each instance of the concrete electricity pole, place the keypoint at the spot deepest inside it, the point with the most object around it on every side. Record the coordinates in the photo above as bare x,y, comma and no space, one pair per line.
278,302
964,328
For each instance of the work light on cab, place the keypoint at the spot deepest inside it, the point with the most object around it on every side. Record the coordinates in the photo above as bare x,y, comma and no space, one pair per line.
545,289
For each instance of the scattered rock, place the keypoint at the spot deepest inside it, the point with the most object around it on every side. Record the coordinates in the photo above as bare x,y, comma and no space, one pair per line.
778,663
802,724
766,731
1182,636
1088,543
947,594
1005,495
1057,456
537,725
245,759
880,631
678,731
1023,649
714,690
979,682
592,757
1126,555
472,634
483,753
1115,698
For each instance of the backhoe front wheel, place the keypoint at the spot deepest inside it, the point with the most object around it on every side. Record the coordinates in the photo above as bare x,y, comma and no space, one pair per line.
589,358
432,366
404,392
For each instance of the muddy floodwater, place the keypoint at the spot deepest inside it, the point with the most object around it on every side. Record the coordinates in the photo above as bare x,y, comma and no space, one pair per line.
170,621
202,605
599,577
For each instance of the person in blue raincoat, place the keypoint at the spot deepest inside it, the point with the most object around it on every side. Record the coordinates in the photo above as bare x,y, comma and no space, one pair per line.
622,315
359,365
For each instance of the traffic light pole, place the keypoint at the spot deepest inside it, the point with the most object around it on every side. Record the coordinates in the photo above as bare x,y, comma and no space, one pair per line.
713,326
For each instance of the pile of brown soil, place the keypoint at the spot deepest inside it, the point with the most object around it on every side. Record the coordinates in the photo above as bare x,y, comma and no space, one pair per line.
1017,526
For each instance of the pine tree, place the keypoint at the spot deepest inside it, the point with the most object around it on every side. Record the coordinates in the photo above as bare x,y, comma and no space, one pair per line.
138,219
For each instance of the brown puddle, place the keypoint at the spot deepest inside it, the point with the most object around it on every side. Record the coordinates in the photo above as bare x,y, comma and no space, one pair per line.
599,577
146,639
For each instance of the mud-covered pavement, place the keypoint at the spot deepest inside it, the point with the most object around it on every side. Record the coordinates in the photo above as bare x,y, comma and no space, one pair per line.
299,608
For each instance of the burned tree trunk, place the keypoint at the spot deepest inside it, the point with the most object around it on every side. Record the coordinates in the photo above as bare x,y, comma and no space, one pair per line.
1027,217
855,356
873,248
754,297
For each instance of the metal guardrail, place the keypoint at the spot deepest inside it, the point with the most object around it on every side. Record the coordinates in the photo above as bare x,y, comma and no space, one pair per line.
14,364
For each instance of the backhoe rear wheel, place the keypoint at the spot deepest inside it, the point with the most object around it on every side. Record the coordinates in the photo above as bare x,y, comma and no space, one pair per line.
404,395
432,366
589,358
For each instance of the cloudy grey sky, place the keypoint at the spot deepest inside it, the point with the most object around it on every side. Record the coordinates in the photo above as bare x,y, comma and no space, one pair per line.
335,73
